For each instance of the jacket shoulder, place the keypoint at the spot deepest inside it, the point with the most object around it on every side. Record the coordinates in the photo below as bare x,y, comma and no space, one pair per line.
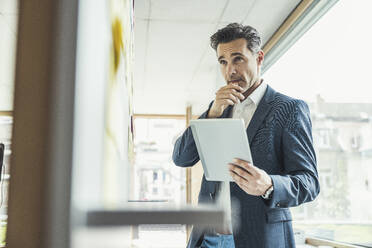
290,103
287,108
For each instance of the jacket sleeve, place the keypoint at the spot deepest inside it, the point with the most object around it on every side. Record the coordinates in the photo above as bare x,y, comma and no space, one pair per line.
185,153
299,181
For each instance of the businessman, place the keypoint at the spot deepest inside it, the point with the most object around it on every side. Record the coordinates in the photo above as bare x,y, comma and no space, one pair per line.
284,172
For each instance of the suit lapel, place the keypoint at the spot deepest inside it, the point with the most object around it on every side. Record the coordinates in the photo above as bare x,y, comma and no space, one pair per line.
259,115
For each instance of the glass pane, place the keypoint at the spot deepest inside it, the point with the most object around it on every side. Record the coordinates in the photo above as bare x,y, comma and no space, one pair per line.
6,123
329,68
102,138
156,178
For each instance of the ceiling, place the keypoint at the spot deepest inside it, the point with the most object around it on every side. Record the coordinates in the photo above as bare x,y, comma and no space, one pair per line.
174,64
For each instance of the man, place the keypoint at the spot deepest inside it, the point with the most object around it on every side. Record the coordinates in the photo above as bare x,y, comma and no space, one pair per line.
284,172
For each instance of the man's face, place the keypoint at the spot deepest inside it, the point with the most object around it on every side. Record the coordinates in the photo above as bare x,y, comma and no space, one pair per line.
238,64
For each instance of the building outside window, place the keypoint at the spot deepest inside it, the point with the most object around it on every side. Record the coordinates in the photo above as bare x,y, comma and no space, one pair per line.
329,68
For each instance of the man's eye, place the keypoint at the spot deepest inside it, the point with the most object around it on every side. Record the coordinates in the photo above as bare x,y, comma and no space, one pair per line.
223,62
238,59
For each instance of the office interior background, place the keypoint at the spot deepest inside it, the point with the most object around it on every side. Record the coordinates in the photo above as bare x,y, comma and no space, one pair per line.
137,72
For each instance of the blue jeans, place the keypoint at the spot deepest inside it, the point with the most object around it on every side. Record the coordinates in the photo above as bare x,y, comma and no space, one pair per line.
218,241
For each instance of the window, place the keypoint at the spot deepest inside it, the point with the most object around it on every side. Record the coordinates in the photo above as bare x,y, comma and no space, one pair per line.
322,138
154,139
329,68
157,178
5,138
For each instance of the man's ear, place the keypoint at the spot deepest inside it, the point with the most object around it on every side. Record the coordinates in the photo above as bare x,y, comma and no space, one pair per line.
260,57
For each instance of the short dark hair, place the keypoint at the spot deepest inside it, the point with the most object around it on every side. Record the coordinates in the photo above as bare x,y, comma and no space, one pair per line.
235,31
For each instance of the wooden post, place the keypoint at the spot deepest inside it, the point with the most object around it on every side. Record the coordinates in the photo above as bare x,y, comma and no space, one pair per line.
39,193
287,24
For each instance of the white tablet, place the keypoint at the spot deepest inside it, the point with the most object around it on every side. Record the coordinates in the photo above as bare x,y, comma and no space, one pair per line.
219,141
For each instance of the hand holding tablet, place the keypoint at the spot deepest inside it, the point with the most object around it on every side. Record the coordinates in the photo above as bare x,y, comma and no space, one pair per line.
218,142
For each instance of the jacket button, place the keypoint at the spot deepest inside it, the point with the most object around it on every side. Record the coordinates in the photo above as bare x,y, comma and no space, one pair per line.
277,205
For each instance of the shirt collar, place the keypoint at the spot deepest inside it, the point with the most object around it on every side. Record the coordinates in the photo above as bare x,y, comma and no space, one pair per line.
256,95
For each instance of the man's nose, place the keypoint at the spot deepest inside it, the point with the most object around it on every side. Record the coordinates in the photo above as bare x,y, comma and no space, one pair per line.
231,70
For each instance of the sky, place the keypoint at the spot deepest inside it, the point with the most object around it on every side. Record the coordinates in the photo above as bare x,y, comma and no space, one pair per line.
332,59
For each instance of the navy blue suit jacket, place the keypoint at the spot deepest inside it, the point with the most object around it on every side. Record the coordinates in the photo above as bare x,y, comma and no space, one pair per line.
281,143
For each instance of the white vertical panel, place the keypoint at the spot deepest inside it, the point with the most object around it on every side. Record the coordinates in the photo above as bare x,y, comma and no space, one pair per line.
91,77
8,34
